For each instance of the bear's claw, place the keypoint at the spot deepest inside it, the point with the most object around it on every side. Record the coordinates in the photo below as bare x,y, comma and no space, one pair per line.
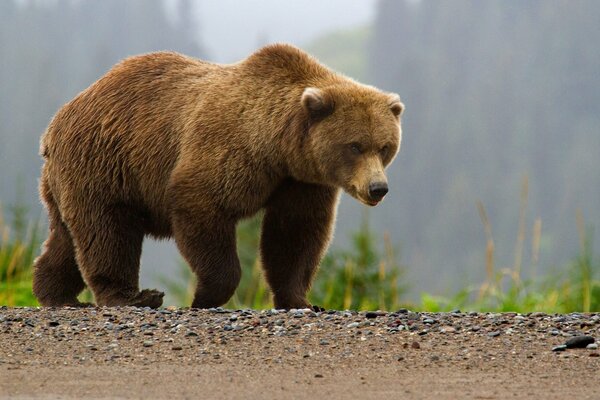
147,298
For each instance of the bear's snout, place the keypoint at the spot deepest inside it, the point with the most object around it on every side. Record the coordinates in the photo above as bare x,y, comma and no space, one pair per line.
377,190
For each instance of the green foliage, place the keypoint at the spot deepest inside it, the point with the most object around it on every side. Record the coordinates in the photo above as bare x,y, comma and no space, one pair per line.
19,244
574,289
360,277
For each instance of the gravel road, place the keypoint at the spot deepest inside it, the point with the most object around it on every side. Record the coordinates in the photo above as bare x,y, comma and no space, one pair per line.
297,354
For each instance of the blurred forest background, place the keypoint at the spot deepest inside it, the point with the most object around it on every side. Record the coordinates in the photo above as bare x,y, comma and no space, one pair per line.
502,96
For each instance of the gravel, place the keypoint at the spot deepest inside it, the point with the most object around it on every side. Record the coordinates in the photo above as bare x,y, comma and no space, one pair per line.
130,337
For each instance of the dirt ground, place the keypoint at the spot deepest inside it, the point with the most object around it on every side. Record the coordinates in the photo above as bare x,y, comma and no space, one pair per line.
185,353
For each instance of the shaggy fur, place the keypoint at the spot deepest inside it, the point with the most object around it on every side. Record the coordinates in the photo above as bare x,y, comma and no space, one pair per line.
171,146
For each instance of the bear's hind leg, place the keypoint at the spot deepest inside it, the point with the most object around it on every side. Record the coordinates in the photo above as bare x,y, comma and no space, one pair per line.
56,277
109,246
297,228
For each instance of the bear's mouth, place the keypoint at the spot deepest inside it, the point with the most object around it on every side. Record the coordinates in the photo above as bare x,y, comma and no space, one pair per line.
365,200
371,203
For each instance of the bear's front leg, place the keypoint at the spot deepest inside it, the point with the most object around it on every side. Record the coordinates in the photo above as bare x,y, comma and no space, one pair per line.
297,228
207,242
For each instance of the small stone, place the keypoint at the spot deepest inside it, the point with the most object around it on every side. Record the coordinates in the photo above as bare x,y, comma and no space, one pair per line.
494,334
53,324
148,343
191,333
323,342
352,325
594,354
400,358
371,315
592,346
537,314
318,375
415,345
562,347
176,348
579,342
448,329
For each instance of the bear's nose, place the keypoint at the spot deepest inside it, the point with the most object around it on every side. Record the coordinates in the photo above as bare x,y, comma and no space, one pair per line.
377,190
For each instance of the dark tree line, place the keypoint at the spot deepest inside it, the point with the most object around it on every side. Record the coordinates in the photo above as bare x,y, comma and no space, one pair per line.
495,90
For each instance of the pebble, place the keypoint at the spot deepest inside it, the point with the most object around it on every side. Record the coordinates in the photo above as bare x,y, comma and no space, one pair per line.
352,325
579,342
561,347
592,346
494,334
148,343
448,329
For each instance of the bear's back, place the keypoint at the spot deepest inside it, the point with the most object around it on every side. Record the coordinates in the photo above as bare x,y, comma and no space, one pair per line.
119,138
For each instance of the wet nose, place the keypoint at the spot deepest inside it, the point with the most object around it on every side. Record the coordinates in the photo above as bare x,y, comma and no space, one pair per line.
377,190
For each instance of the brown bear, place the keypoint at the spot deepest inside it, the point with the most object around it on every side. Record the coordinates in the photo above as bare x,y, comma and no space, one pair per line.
171,146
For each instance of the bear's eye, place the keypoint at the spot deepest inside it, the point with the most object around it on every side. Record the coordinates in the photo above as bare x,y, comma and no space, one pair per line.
355,148
384,150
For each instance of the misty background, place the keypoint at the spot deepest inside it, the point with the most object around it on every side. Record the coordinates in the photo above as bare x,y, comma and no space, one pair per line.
497,92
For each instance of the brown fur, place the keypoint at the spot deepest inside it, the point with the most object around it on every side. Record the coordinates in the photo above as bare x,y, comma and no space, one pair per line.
171,146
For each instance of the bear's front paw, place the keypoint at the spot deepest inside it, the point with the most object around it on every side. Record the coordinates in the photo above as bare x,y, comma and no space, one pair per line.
317,308
147,298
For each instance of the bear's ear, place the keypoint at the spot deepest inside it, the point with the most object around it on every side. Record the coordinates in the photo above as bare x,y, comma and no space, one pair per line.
316,102
396,106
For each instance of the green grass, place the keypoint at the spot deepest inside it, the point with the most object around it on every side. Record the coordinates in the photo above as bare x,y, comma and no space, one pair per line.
576,288
19,244
365,276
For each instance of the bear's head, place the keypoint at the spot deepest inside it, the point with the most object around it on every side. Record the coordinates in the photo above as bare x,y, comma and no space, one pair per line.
353,134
